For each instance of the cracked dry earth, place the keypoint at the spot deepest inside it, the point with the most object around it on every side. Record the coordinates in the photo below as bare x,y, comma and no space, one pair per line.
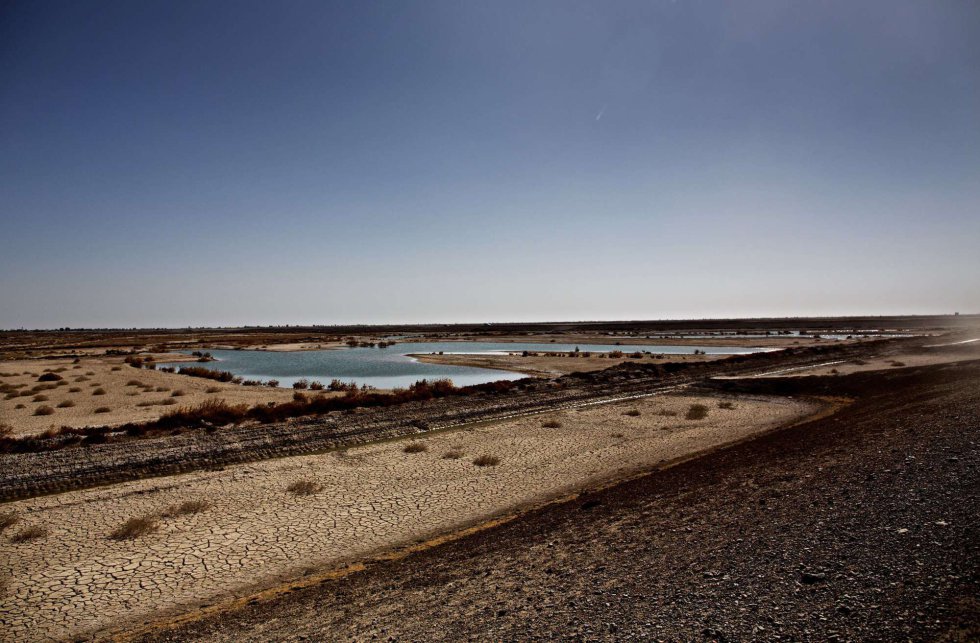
77,580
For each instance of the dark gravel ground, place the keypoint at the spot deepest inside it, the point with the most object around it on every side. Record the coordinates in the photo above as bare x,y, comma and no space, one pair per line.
861,526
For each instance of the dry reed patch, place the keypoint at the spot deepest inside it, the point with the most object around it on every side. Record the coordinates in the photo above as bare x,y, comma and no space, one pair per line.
486,461
135,527
304,488
415,447
29,534
696,412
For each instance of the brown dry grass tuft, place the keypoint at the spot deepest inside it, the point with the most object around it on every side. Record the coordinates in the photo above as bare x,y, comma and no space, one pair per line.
551,424
135,527
633,413
304,488
44,410
103,409
696,412
29,534
99,391
65,404
186,508
8,519
726,405
486,461
454,454
415,447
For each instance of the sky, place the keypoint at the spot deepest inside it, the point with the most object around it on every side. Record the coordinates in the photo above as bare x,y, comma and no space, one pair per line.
199,163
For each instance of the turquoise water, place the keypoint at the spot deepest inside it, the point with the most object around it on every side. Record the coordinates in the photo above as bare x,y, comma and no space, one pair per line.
392,367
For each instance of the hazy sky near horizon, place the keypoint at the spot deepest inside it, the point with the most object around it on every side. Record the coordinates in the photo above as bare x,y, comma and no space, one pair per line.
219,163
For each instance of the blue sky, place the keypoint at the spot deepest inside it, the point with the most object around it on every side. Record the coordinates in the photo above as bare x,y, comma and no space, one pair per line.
198,163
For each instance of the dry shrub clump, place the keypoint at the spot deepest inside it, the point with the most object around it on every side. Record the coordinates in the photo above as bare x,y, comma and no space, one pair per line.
135,527
667,413
632,413
453,454
49,377
65,404
29,534
103,409
415,447
99,391
551,424
213,389
44,410
178,393
40,398
75,389
486,461
303,488
726,405
696,412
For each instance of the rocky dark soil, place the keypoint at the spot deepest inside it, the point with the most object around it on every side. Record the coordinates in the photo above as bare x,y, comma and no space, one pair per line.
860,526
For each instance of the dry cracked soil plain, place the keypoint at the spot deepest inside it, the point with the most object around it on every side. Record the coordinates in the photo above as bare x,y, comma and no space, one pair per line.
860,526
78,580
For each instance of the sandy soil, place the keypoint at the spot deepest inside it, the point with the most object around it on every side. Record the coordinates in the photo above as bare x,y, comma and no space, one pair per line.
111,375
76,578
550,365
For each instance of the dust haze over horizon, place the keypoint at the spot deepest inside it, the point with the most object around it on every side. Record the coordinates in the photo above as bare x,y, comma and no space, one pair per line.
226,163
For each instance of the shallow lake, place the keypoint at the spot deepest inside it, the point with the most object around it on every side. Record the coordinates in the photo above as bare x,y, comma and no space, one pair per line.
392,367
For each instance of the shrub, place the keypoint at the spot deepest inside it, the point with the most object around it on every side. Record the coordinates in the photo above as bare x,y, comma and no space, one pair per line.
616,354
415,447
696,412
135,527
486,461
49,377
303,488
20,406
99,391
117,368
186,508
178,393
65,404
632,413
316,386
135,383
44,410
207,373
161,389
667,413
29,534
103,409
725,405
75,389
40,398
213,389
301,384
8,519
454,454
213,412
551,424
272,383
